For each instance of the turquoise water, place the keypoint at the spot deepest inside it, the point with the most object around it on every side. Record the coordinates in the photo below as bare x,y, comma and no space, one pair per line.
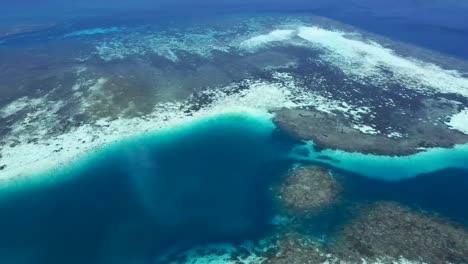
204,182
92,31
389,168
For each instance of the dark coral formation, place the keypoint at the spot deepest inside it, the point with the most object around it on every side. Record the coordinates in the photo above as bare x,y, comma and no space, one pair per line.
308,188
293,248
336,132
388,230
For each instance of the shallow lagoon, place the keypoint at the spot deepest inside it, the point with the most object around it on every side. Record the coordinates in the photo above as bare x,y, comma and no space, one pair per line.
388,168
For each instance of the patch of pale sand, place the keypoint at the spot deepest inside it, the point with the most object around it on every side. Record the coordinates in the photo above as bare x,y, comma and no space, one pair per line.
366,129
364,60
248,253
28,158
368,60
92,31
18,105
220,254
459,121
259,41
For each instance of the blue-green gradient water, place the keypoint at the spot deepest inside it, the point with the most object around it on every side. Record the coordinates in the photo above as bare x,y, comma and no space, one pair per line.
204,182
200,183
388,168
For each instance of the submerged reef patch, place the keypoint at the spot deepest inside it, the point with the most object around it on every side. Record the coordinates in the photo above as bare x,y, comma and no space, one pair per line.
390,230
308,188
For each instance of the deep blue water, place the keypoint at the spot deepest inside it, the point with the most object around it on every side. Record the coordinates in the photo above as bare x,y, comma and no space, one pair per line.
442,192
206,182
444,30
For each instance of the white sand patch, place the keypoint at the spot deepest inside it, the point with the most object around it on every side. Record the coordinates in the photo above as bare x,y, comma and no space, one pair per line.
361,59
37,122
395,134
383,260
76,87
250,253
365,129
18,105
80,69
167,53
459,121
97,87
26,158
92,31
49,152
367,61
300,97
78,72
96,94
246,253
256,42
218,254
83,83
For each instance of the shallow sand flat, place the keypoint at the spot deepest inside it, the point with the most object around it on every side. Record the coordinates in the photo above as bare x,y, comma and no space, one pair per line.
459,121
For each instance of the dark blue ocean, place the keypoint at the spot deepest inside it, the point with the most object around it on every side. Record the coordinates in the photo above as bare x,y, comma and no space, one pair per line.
434,24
